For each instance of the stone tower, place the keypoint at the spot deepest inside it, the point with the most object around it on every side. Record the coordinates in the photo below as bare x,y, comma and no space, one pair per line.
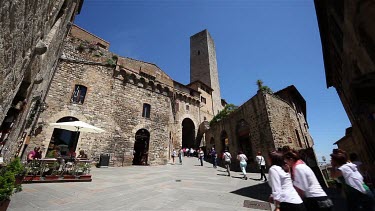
203,65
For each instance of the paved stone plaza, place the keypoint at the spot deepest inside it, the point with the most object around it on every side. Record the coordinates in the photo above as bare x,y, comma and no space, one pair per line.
170,187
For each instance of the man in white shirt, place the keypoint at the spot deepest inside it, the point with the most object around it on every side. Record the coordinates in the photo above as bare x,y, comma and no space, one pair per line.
262,166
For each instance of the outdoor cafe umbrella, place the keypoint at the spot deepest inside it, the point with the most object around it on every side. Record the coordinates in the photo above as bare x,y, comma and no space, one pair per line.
77,126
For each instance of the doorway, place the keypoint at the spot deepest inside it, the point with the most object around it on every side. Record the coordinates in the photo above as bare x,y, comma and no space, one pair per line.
243,136
141,146
63,139
188,134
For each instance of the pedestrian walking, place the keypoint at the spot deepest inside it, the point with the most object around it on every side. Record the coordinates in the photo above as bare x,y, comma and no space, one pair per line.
227,161
191,152
180,154
306,184
262,166
173,155
187,152
284,196
243,163
201,155
214,157
358,195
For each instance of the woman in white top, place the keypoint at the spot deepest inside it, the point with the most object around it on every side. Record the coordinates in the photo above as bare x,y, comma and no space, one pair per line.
358,195
174,154
306,183
242,158
284,195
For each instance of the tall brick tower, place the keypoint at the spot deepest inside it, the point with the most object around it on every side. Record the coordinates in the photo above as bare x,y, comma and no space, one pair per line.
203,65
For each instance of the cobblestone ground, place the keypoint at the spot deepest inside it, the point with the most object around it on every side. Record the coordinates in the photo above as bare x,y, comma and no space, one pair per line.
171,187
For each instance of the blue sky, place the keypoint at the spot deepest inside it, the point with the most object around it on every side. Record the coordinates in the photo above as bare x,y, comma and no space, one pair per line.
276,41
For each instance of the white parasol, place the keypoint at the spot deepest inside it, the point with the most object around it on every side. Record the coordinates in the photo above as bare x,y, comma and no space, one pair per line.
77,126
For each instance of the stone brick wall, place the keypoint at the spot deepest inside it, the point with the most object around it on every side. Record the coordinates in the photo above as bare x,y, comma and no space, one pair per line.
272,124
254,113
203,65
82,34
348,43
31,34
114,102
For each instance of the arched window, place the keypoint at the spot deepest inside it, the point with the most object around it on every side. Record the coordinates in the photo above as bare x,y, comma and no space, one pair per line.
146,110
79,94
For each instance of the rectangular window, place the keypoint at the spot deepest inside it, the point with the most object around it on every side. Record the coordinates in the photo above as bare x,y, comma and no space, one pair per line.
187,107
203,100
298,138
177,106
146,110
79,94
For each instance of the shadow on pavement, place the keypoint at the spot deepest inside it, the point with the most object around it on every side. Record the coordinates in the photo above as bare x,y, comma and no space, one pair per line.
222,174
260,192
240,177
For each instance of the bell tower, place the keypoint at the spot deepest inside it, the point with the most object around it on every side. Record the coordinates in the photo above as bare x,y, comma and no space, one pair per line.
203,65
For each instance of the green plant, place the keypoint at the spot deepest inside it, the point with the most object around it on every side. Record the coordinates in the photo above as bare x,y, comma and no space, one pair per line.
80,48
263,88
229,108
111,63
114,57
17,167
7,184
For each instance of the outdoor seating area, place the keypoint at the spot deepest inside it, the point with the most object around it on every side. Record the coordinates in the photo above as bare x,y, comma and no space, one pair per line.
58,170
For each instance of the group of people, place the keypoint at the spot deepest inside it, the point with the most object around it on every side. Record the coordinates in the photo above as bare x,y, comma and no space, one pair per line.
187,152
295,186
36,154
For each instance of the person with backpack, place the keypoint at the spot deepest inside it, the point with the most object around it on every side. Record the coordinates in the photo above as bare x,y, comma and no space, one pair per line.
227,161
262,166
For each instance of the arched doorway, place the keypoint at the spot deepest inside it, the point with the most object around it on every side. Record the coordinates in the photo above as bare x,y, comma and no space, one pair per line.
224,141
188,133
141,145
243,136
64,139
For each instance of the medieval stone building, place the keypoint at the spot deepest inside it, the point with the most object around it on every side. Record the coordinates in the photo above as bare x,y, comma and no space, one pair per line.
31,37
265,122
348,43
145,113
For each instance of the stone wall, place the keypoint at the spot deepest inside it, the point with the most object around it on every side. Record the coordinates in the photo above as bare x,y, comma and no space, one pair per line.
31,36
82,34
254,113
348,43
114,102
203,65
269,121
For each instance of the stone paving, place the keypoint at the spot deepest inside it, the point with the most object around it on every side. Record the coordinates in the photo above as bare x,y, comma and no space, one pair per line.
169,187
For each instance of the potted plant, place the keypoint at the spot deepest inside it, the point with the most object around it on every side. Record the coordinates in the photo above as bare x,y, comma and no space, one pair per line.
55,169
18,169
8,187
85,168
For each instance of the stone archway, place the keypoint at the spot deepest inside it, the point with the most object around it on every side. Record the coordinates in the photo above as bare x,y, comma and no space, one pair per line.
224,141
65,140
243,137
188,133
141,146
